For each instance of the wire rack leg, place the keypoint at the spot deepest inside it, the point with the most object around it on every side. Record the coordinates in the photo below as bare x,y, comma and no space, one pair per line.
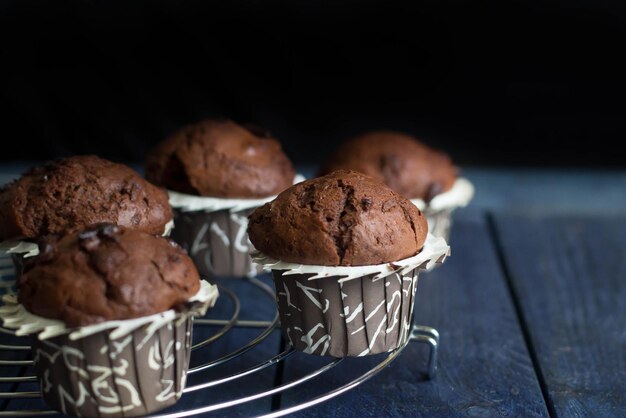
430,336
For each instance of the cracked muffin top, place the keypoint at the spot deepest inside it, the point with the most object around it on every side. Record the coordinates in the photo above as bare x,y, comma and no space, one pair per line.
408,166
219,158
107,273
342,219
67,195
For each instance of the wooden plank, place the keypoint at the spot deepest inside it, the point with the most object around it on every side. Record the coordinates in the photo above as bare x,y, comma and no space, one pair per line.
484,367
548,190
569,274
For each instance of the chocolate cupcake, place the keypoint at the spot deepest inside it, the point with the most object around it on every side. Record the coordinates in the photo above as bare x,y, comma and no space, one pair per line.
112,310
67,195
411,168
216,172
345,252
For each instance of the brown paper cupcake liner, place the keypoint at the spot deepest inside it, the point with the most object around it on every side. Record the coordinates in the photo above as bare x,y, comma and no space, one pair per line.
98,376
216,241
352,318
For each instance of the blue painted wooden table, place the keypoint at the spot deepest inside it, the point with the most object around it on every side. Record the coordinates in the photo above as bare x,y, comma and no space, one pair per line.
531,308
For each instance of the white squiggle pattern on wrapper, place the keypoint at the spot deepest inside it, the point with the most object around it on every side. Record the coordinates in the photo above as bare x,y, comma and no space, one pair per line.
308,291
219,243
242,243
388,319
215,228
107,383
311,344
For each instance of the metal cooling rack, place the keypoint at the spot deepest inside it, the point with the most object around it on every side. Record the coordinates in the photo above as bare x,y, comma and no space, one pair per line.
420,334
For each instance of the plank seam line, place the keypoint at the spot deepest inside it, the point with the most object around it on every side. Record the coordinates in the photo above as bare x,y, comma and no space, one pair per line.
493,231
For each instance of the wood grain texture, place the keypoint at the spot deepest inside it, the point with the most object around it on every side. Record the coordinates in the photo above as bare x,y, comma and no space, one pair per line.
569,274
484,367
549,190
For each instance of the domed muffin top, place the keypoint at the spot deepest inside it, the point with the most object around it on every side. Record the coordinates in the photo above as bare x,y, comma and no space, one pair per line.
107,273
69,194
219,158
342,219
408,166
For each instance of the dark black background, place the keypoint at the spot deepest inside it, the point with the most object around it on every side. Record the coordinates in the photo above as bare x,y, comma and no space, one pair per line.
495,83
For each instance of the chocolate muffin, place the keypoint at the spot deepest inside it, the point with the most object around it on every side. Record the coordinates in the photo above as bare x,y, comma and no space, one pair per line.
219,158
342,219
67,195
408,166
107,272
345,252
217,172
110,305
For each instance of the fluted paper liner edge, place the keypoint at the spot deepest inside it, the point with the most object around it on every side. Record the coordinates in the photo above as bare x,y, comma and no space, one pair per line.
192,203
459,195
435,251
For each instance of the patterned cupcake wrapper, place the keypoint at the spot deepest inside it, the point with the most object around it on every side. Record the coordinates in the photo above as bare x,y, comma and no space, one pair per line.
117,368
346,318
99,376
217,241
